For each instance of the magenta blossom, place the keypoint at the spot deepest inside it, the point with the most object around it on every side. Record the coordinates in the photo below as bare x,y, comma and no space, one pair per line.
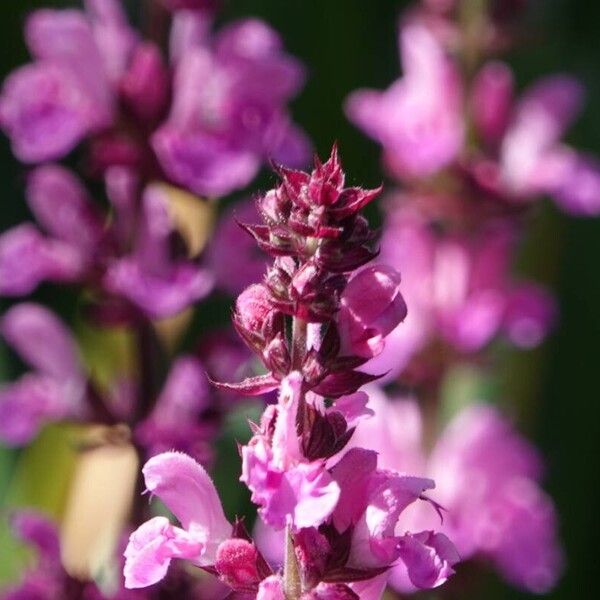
228,113
289,489
185,487
234,260
205,537
48,580
150,277
370,525
49,106
81,247
487,479
372,502
54,389
371,308
418,120
74,228
458,287
528,158
176,419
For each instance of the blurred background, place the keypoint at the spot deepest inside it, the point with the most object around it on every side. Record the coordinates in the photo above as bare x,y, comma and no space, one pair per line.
553,391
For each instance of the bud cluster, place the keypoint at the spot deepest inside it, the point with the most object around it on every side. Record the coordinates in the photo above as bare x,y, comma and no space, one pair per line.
313,228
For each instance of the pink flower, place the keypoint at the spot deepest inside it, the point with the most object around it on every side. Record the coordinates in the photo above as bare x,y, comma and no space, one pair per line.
74,227
271,588
372,502
487,479
46,579
55,389
176,419
228,113
145,85
49,106
234,259
288,488
187,490
458,288
149,277
418,120
371,307
527,158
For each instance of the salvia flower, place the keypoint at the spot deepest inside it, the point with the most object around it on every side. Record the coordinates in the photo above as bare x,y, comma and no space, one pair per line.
81,246
289,488
228,112
339,511
526,158
176,419
48,579
207,124
313,228
55,389
205,537
67,93
459,288
371,308
418,120
488,480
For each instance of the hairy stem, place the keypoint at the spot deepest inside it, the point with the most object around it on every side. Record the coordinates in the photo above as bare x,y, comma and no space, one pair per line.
291,575
299,332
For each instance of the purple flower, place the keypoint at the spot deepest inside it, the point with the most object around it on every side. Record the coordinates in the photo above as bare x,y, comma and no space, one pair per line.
458,287
81,247
145,85
54,389
418,120
175,420
371,307
487,479
74,227
288,488
372,502
271,588
150,277
185,487
228,113
234,260
27,258
527,158
49,106
47,580
205,537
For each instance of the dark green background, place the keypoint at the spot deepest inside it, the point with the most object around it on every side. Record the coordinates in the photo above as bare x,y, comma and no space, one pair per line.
348,44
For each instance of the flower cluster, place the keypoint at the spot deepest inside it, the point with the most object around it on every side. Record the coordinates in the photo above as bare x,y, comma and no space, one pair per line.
120,139
487,479
470,159
319,315
362,470
207,127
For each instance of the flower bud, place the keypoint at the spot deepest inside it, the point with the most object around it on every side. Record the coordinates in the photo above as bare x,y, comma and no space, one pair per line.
145,86
237,563
371,307
253,308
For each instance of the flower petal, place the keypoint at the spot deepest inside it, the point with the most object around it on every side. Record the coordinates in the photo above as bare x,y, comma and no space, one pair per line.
187,490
